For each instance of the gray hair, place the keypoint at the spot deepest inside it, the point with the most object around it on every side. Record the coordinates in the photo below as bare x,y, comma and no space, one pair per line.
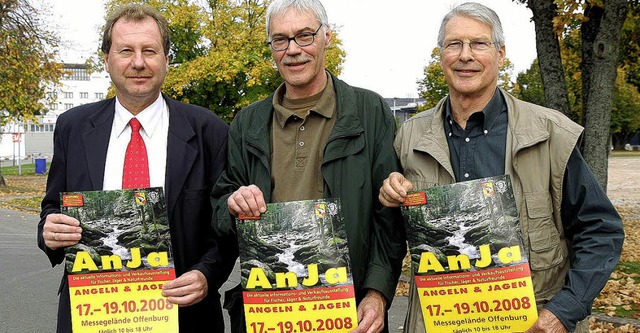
478,12
280,7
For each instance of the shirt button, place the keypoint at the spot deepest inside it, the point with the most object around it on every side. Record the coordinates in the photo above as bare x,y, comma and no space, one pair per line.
466,175
485,132
301,143
449,134
466,140
302,128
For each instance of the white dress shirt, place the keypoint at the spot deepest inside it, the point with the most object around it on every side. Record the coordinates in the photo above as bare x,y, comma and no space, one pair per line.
154,132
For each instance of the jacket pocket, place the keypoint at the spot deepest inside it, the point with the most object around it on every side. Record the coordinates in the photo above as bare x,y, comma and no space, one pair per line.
196,206
421,183
546,248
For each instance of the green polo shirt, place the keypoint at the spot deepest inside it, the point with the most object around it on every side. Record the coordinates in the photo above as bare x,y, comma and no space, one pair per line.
299,134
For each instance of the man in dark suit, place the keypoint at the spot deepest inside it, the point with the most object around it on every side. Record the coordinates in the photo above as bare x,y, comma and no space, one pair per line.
186,146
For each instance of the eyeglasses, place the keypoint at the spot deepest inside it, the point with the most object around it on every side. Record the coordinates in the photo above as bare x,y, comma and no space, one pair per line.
456,46
302,39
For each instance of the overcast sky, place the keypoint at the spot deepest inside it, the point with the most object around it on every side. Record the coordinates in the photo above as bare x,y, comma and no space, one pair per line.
388,42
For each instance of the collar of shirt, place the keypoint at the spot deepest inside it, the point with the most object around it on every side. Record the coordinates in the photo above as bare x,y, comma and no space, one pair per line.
149,117
485,118
324,106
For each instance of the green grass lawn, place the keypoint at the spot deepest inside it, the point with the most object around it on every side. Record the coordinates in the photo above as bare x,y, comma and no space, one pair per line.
625,153
23,170
24,188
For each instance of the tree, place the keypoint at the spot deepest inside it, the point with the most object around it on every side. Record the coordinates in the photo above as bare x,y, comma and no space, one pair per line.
219,56
600,47
548,49
528,85
433,86
530,88
625,114
600,26
625,118
27,62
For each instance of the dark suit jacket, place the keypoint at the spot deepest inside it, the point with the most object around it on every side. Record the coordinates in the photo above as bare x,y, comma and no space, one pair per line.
196,155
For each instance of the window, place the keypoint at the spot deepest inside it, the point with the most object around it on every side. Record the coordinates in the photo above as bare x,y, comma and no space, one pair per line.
68,106
68,95
77,74
99,95
54,106
84,95
41,127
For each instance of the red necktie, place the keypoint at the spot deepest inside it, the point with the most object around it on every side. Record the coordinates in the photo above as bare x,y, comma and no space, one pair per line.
136,166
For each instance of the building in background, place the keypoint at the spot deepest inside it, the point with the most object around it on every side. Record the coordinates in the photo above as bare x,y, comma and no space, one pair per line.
404,108
31,140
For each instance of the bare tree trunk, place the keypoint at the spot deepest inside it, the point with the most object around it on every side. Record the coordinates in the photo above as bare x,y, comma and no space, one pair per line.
600,48
549,59
2,181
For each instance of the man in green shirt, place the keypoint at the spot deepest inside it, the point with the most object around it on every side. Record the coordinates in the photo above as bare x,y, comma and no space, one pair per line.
317,137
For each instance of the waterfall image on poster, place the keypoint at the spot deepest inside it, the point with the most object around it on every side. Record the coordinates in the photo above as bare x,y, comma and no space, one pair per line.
114,222
461,218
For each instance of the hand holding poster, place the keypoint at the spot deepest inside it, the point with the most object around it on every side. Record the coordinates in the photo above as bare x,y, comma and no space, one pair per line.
295,269
117,270
469,263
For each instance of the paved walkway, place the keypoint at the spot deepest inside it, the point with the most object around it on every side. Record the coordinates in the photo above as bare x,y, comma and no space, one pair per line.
28,297
29,285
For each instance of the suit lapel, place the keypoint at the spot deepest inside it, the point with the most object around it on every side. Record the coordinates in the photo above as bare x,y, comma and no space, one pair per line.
96,142
180,153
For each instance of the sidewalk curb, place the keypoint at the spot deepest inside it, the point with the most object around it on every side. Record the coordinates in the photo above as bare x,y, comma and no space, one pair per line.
616,321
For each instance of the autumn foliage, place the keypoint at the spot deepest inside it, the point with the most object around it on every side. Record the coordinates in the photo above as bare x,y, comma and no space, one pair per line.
27,61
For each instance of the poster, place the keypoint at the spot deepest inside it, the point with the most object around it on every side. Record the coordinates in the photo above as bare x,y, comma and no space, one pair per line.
117,270
295,269
467,257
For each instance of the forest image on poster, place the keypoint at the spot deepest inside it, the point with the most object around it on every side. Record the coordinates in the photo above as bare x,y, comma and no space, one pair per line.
295,268
469,263
461,218
289,237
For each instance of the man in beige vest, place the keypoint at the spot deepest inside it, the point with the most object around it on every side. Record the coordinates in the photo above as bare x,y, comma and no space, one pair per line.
572,233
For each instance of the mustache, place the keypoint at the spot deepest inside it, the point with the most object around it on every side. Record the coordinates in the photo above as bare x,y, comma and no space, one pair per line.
296,60
136,74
